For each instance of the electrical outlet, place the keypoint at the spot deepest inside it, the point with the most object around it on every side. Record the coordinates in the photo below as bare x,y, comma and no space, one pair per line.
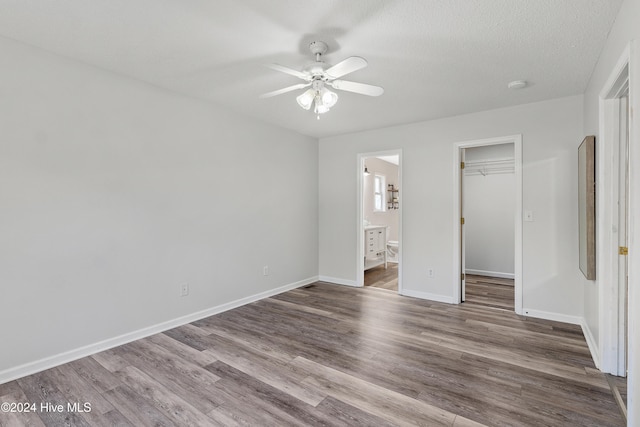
184,289
265,270
430,272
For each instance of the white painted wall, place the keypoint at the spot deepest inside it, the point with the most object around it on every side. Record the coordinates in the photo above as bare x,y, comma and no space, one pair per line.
389,217
114,192
489,213
624,30
550,130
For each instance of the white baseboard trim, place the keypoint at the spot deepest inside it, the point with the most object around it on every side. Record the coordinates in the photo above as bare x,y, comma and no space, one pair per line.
425,295
558,317
338,281
490,273
78,353
591,342
574,320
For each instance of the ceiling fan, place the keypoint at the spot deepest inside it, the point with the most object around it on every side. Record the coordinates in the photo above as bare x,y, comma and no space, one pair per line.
318,75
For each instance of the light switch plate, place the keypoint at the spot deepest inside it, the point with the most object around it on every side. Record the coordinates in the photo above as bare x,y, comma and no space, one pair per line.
184,289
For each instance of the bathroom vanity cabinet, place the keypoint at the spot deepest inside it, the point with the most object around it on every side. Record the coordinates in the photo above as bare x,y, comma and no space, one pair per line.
375,246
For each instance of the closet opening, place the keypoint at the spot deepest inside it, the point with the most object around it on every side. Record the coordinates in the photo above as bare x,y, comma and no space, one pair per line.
488,222
488,209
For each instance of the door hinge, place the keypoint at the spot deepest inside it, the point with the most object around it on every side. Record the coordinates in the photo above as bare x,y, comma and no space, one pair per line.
462,221
462,276
623,250
461,165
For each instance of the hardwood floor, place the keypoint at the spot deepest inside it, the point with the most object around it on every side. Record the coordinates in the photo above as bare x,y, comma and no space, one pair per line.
334,356
619,389
379,277
489,291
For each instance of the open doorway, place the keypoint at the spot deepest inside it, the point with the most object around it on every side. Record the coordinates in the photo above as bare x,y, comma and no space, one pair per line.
379,239
488,209
495,275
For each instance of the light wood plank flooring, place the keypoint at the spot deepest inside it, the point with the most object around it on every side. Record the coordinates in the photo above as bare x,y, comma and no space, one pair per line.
379,277
330,355
489,291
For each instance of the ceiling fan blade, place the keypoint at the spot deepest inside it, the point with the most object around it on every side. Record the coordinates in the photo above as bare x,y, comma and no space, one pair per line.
290,71
361,88
349,65
284,90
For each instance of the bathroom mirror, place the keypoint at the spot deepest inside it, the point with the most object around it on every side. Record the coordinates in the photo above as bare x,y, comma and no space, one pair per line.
587,207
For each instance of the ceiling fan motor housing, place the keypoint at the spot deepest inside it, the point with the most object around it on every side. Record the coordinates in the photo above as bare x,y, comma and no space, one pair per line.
317,84
318,48
315,69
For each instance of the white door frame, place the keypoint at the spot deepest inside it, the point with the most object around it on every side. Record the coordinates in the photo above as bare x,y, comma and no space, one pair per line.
626,71
517,151
633,364
360,220
612,347
461,227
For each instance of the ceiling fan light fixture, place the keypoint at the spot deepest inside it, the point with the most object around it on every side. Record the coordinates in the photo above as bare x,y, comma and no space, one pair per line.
324,100
329,98
320,108
318,76
306,99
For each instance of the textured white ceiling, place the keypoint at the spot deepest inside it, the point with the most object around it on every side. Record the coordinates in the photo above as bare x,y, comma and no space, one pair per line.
434,58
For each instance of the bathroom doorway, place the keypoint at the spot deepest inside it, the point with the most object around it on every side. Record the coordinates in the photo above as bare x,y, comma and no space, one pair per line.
379,214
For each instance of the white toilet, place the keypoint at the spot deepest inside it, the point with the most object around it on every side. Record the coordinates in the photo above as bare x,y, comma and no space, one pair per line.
392,250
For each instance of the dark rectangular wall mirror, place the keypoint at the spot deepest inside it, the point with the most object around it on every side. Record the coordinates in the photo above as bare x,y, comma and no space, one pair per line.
587,207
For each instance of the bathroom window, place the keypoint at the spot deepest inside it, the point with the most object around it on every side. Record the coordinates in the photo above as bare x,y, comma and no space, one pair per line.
378,193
